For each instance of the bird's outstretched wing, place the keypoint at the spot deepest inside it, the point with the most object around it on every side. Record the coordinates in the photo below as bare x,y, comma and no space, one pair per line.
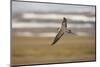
64,23
58,36
61,32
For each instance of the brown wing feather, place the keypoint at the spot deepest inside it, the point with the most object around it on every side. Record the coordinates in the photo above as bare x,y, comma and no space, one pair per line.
61,32
58,36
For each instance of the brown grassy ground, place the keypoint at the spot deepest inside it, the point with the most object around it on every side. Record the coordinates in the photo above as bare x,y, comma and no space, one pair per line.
37,50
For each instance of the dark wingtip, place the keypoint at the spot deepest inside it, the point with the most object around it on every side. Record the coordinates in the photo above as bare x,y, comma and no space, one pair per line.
64,18
52,44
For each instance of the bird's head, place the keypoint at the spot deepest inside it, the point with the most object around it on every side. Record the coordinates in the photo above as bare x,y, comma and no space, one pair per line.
69,31
64,19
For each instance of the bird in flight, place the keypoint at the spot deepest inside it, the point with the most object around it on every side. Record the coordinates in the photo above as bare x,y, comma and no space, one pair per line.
62,30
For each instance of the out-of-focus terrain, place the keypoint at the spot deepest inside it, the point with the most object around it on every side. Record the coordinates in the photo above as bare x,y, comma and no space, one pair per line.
34,50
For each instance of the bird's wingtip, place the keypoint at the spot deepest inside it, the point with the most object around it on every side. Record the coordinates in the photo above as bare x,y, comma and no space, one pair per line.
64,18
52,44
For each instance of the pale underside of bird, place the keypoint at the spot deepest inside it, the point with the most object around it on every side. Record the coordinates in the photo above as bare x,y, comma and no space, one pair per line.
62,30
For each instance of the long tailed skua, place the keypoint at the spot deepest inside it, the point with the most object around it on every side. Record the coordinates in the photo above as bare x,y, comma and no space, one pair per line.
62,30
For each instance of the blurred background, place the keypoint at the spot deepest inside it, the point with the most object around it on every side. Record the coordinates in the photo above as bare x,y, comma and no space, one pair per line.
36,19
34,26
